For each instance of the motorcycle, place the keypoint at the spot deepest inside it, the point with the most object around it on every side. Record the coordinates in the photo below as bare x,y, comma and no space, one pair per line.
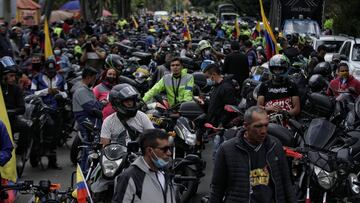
328,171
44,192
41,119
183,126
111,161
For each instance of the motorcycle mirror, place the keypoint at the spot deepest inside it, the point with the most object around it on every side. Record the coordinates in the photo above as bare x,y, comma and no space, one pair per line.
231,109
343,154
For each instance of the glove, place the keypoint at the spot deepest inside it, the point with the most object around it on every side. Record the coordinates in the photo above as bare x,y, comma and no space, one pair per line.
285,114
53,91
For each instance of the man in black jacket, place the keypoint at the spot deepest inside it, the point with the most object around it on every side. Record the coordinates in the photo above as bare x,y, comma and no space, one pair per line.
5,44
222,94
237,64
252,167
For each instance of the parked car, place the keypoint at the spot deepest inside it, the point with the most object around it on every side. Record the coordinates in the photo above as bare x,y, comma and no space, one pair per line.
350,52
333,44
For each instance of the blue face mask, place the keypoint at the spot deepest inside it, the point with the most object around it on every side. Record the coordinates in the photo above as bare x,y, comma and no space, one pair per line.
210,82
159,162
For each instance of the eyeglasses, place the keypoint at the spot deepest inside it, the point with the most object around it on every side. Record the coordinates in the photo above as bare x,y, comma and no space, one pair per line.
164,149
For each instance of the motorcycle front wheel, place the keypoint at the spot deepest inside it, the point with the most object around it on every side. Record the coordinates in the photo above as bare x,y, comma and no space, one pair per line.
186,189
75,150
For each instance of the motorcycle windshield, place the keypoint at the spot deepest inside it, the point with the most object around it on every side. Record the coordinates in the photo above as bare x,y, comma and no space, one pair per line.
319,132
114,151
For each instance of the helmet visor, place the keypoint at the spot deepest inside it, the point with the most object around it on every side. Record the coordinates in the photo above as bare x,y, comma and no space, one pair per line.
278,70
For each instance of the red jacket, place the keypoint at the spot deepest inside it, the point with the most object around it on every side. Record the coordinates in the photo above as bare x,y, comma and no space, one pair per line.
336,85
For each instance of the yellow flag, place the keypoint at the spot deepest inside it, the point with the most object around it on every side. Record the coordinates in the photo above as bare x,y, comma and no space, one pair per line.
164,21
9,170
257,27
136,25
48,48
237,27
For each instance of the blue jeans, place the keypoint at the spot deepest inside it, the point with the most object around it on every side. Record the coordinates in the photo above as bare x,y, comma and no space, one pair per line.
218,139
84,150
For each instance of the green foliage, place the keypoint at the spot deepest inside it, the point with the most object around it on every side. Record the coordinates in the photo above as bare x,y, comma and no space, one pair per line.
345,15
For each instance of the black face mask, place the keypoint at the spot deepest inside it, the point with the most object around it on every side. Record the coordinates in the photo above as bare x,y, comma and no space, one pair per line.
36,66
51,74
92,83
110,79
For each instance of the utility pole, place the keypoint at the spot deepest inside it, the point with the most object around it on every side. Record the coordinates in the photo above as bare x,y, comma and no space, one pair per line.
7,10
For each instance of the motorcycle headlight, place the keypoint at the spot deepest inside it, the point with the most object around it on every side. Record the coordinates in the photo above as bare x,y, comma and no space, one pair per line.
355,189
110,167
190,138
325,179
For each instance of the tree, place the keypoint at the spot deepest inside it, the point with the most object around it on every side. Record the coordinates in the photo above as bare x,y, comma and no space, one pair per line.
345,15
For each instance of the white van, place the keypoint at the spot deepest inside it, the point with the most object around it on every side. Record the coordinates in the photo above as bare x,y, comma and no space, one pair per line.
158,15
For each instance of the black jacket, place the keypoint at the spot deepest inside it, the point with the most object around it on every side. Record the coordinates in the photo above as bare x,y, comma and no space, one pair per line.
222,94
14,100
237,64
232,167
5,47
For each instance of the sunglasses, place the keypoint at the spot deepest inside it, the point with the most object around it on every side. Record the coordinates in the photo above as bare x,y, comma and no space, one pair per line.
164,149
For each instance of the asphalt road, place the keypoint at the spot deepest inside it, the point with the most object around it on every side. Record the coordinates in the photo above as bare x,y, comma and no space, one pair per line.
64,176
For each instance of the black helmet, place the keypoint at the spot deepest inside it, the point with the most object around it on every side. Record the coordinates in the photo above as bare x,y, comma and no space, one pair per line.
114,61
50,68
120,93
317,83
323,68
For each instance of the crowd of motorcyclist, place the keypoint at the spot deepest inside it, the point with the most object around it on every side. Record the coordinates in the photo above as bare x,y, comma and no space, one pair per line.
94,51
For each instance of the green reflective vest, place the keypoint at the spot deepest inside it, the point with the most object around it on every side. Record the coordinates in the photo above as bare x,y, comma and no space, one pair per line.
177,90
58,31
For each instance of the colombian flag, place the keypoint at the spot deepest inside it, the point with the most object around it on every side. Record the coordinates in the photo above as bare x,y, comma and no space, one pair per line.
270,40
48,48
81,187
186,31
8,172
256,32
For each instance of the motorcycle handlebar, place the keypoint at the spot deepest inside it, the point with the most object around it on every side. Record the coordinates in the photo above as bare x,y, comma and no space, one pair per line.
184,178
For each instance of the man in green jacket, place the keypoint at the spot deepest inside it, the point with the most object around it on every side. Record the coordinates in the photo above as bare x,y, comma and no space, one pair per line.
178,85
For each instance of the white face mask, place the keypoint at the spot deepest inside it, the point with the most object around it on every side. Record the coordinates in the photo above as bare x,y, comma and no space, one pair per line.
57,52
207,52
